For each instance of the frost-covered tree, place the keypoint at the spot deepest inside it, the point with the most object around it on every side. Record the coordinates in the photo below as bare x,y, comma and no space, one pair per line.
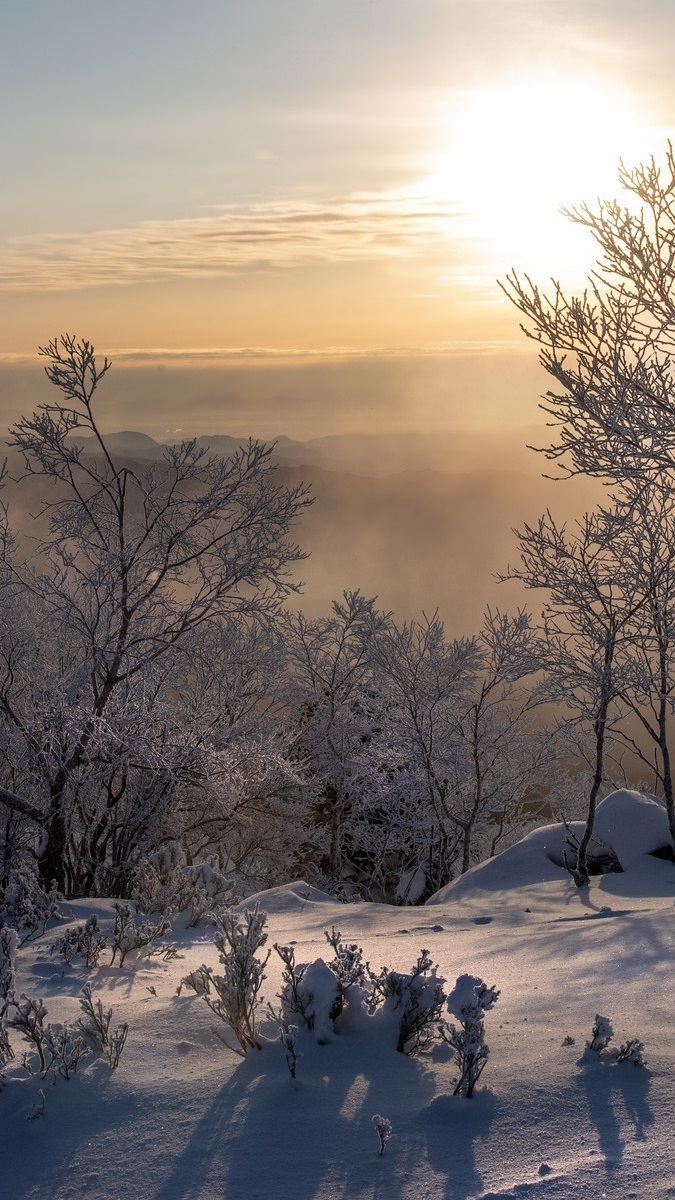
609,354
504,751
428,678
590,604
334,712
461,714
124,564
646,522
608,351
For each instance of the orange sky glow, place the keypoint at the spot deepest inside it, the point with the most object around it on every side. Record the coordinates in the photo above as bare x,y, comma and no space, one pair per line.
263,184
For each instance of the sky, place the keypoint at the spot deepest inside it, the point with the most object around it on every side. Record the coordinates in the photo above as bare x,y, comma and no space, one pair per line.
219,189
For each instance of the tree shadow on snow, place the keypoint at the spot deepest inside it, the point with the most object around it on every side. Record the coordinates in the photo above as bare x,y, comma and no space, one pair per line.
616,1094
267,1135
453,1125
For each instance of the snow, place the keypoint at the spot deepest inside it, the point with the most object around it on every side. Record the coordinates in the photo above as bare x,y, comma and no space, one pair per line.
184,1119
632,824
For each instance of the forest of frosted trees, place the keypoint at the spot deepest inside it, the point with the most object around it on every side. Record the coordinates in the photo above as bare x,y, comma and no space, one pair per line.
164,709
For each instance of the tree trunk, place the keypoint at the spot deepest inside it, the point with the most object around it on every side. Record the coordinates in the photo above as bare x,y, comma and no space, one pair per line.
52,859
581,876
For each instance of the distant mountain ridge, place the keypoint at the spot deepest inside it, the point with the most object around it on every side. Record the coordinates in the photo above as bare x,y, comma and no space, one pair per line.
374,454
419,537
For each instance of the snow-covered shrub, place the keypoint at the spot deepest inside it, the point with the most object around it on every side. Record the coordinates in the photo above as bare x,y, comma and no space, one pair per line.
6,1052
415,999
631,1051
316,991
601,1035
65,1049
26,906
468,1001
166,883
211,892
9,942
128,936
233,996
383,1130
290,997
27,1017
320,999
38,1109
95,1025
288,1036
348,966
59,1048
87,941
96,1022
117,1040
310,991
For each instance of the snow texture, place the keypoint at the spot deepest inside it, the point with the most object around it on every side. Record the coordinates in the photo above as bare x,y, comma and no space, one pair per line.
182,1118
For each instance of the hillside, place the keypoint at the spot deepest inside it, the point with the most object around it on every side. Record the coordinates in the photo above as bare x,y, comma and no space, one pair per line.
183,1118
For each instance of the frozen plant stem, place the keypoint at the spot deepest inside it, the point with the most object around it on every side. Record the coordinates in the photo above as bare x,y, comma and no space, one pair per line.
383,1130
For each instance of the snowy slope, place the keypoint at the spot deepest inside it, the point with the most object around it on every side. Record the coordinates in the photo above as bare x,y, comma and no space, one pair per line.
184,1119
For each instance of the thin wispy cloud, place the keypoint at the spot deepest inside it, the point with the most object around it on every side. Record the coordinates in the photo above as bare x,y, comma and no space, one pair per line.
218,356
230,241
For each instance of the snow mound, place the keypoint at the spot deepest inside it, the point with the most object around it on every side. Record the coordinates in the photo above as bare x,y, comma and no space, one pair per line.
289,897
633,824
537,858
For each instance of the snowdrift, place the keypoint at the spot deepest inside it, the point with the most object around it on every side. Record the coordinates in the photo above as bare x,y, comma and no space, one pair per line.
630,824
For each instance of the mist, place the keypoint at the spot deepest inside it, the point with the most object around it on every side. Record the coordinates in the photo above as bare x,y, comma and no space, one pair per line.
301,397
420,467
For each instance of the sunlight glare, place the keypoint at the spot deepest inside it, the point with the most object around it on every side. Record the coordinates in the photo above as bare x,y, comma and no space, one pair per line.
516,153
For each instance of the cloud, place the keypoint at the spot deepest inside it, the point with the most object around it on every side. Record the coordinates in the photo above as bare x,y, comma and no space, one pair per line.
221,356
230,241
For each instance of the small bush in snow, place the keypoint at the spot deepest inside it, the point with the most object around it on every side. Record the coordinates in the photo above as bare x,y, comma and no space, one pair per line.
166,883
631,1051
310,991
291,1002
64,1049
601,1035
38,1109
348,966
383,1130
27,1017
415,998
6,1052
128,936
26,906
288,1036
86,941
234,995
468,1001
95,1025
316,991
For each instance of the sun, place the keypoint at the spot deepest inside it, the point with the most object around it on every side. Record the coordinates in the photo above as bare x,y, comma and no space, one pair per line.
514,153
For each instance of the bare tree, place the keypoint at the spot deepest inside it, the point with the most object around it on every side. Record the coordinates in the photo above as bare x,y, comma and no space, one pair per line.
504,755
646,543
127,563
609,350
592,601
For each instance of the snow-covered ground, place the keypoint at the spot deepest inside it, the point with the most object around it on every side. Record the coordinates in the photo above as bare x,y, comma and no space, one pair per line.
182,1118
